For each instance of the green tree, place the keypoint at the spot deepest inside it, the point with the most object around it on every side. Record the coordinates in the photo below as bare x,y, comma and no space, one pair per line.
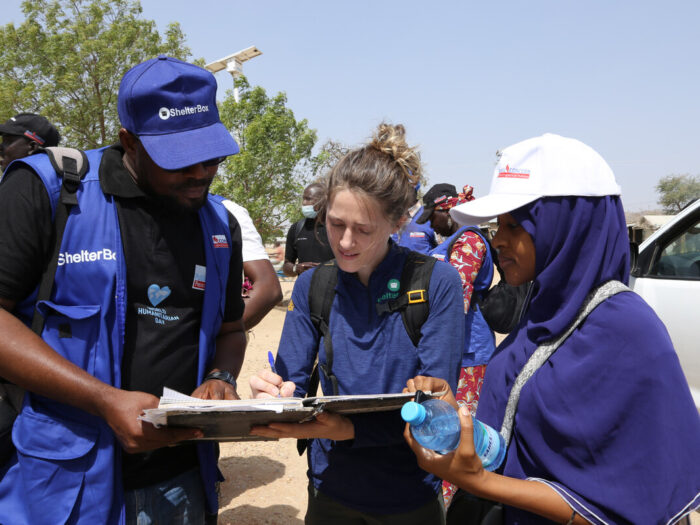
67,58
330,153
270,172
676,191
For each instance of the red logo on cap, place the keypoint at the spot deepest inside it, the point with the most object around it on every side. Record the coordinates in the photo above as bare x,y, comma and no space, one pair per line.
514,173
32,135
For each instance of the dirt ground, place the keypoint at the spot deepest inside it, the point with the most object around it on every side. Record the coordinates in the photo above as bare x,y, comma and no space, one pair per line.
266,480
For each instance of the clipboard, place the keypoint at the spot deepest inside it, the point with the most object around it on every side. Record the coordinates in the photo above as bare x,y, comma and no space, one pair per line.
232,420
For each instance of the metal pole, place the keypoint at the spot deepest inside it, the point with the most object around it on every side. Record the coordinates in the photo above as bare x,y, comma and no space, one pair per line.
235,67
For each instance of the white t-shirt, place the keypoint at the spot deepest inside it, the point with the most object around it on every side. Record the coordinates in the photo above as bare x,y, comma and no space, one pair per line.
253,249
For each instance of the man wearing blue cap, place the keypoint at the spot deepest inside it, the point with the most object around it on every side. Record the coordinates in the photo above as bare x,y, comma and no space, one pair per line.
146,294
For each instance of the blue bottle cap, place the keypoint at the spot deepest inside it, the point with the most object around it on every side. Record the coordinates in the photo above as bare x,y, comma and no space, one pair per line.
413,413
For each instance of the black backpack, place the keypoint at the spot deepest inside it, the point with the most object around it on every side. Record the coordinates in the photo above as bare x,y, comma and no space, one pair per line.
501,305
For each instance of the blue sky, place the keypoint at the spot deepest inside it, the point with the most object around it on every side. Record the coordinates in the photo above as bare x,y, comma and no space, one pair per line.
468,78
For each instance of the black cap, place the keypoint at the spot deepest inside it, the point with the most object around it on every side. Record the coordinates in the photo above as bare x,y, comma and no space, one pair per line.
434,196
34,127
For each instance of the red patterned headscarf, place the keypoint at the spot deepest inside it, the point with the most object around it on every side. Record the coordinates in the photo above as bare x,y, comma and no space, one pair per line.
445,202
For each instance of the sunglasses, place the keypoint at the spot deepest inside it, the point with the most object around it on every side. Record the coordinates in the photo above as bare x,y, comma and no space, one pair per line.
206,164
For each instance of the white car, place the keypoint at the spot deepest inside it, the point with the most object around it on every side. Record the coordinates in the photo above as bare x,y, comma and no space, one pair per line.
667,276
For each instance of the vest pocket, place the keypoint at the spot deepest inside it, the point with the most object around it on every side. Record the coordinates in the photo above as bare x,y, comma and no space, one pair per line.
55,454
72,331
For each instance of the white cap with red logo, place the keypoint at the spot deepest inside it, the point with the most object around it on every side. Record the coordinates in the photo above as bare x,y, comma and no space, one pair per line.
545,166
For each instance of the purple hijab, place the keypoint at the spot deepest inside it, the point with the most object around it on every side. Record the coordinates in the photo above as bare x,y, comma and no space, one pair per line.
608,421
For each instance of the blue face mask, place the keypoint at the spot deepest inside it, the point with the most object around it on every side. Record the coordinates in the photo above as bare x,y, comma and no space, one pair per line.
308,211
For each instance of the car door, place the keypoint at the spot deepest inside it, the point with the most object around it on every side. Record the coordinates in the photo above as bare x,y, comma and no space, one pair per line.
667,276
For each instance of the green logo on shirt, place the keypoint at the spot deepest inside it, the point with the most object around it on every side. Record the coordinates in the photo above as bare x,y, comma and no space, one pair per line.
393,285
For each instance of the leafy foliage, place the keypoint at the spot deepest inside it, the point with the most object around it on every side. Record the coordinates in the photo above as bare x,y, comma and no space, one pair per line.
331,152
676,191
270,172
65,61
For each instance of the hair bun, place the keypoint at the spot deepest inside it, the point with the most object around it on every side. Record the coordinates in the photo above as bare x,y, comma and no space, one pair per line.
391,140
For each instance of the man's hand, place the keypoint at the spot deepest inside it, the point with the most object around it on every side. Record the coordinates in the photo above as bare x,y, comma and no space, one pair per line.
301,267
134,435
215,389
326,425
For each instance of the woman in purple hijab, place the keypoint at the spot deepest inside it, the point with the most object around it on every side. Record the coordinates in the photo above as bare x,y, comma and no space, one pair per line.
605,431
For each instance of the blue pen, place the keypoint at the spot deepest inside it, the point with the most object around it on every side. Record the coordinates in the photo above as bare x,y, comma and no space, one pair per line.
271,359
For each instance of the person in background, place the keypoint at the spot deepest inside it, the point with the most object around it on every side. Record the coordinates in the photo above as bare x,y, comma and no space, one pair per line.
307,241
468,252
265,290
277,256
419,237
23,134
605,429
147,294
360,470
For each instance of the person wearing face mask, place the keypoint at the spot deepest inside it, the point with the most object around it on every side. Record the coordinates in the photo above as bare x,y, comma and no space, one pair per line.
307,242
360,470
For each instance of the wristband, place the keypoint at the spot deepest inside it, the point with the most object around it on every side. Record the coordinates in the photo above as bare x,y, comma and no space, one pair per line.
222,375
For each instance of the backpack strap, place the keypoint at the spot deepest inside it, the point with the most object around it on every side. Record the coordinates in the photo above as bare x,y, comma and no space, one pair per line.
71,165
415,279
321,295
545,350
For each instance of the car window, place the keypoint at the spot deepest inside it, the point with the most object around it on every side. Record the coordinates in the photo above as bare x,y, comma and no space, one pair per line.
681,256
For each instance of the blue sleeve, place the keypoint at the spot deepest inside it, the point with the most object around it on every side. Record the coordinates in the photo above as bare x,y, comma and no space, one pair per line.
299,340
440,348
439,355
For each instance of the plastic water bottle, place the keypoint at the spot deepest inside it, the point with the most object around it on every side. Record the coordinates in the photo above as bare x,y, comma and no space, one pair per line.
435,425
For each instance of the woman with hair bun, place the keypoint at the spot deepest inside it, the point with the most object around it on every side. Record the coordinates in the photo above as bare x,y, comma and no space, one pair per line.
360,469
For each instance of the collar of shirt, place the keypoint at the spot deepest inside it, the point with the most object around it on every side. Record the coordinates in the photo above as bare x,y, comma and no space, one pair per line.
115,178
384,271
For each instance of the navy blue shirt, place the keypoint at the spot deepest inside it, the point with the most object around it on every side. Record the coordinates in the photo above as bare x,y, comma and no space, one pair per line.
377,471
